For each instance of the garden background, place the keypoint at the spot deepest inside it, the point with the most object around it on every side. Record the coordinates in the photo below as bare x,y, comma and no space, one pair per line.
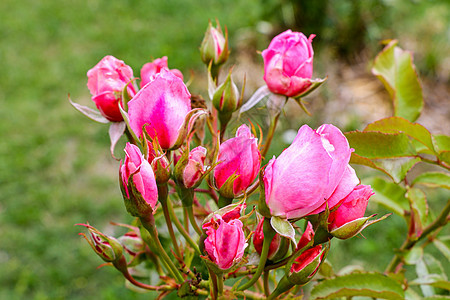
55,168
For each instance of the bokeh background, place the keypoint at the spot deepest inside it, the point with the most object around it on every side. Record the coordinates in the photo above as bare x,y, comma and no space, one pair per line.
55,168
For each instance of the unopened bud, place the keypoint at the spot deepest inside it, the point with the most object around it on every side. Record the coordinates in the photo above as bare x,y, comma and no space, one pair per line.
108,248
214,47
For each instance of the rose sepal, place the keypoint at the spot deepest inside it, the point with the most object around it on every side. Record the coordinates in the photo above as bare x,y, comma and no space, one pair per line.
354,227
108,248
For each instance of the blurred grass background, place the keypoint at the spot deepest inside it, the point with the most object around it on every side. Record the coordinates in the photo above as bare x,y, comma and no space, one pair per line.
55,169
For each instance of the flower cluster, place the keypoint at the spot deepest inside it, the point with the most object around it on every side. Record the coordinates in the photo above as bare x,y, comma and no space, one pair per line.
310,182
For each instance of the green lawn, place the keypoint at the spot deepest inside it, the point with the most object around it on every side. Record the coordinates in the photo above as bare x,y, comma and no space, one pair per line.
55,169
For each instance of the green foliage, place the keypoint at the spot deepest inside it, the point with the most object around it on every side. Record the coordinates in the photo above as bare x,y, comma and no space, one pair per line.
395,68
359,284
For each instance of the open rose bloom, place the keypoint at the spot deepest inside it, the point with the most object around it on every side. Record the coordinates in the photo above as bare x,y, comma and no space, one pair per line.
310,174
106,82
288,63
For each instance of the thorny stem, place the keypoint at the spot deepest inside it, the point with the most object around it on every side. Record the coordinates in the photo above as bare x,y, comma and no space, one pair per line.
213,283
220,284
282,287
121,265
266,283
273,125
409,243
181,229
190,211
149,223
269,233
162,197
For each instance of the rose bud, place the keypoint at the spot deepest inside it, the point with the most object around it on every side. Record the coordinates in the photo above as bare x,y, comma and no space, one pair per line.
214,47
108,248
138,186
106,82
195,168
305,266
278,247
310,174
288,63
238,163
163,107
348,219
226,99
154,67
225,243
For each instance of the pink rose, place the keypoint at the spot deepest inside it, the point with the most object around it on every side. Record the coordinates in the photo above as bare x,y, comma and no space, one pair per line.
225,242
238,156
288,63
311,173
353,207
277,245
306,258
307,236
105,82
162,106
194,169
154,67
137,174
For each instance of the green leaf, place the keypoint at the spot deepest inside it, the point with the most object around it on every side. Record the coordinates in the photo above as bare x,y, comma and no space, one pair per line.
283,227
443,246
441,142
395,68
395,168
399,124
442,145
419,209
413,256
373,144
359,284
433,179
388,194
437,297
